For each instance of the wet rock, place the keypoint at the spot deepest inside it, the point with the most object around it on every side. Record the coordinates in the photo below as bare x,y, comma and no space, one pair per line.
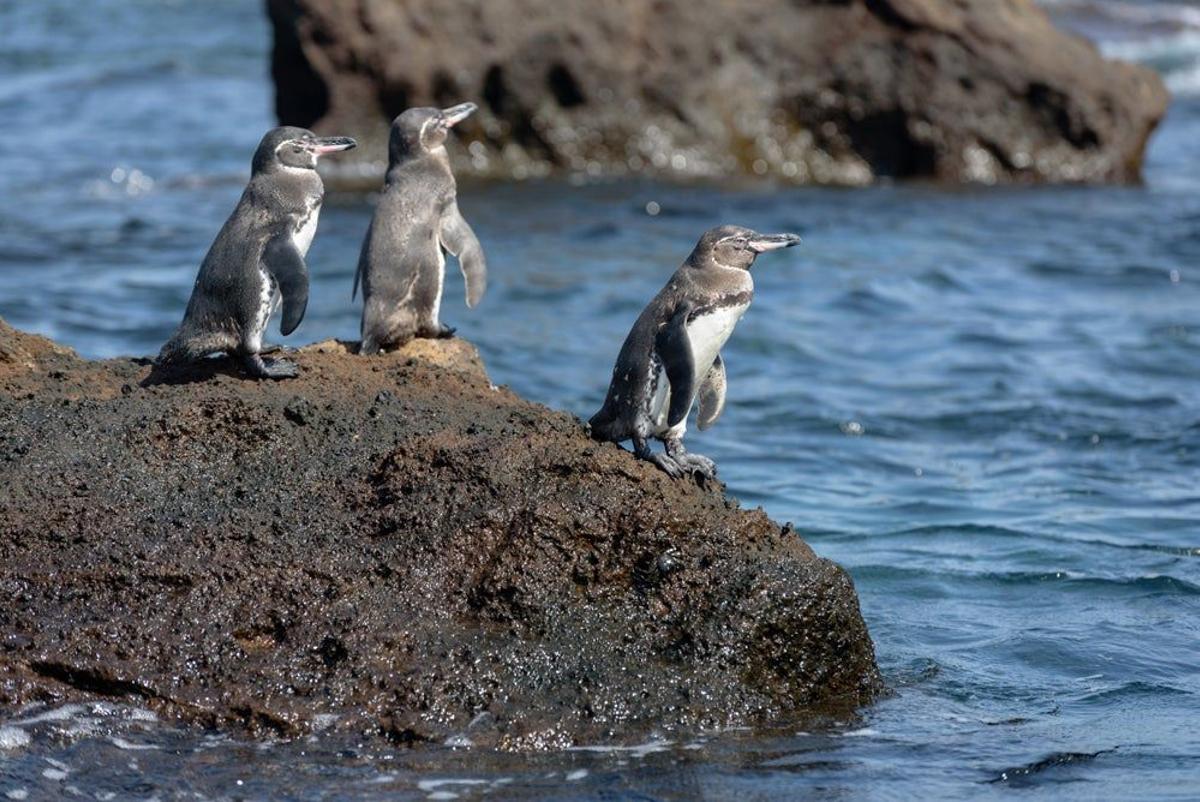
804,90
388,545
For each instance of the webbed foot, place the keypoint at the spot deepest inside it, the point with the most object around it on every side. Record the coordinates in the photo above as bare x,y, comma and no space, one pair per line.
691,463
696,463
667,465
665,462
259,368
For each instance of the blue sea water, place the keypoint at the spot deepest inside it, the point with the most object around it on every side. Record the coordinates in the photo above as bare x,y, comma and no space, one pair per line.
984,402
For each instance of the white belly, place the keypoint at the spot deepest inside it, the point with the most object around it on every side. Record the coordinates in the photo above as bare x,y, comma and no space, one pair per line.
441,281
707,334
268,298
308,229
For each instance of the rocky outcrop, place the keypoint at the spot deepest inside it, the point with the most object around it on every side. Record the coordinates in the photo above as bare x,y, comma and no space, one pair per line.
394,545
824,91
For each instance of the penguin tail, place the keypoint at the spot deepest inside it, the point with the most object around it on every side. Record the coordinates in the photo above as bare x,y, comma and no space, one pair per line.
171,353
600,426
184,346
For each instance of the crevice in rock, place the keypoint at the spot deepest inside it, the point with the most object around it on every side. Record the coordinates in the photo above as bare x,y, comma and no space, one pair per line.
1054,107
301,94
887,11
564,87
89,680
495,93
393,98
445,90
886,143
504,106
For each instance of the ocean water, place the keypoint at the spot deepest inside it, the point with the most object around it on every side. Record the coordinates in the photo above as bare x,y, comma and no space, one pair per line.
984,402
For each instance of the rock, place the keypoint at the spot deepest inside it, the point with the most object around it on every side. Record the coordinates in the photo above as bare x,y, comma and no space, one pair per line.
823,91
395,546
21,352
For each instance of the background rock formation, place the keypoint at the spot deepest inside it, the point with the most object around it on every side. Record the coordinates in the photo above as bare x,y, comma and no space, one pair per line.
826,91
393,542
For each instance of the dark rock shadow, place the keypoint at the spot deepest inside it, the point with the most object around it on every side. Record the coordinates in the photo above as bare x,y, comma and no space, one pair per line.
201,370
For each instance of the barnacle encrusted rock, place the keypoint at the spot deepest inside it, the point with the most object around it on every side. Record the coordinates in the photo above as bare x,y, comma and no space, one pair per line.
394,543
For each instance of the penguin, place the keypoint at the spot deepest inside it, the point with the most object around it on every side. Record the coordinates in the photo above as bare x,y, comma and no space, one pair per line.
258,257
672,355
402,265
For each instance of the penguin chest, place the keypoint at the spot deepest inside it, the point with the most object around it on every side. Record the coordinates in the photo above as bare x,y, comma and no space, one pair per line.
707,333
306,226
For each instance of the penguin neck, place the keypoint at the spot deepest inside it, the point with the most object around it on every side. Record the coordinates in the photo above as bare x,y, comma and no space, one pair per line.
721,279
408,162
709,263
291,189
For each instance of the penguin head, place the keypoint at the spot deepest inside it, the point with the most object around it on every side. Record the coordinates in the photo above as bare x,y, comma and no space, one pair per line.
422,130
734,246
296,148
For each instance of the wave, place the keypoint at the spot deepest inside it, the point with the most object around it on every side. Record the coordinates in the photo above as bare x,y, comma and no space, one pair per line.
1154,585
1176,56
1164,35
980,532
1132,16
1134,689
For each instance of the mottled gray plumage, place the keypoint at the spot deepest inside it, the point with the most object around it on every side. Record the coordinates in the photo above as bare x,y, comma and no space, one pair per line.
258,257
671,356
401,266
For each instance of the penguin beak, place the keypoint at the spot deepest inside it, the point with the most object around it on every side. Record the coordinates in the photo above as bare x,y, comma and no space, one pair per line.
456,114
331,144
760,243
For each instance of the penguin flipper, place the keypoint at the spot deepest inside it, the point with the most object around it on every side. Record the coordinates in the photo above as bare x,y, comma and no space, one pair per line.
460,241
286,266
712,395
675,351
362,261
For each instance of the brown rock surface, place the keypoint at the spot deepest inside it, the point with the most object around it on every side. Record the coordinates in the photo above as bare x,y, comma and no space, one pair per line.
394,542
826,91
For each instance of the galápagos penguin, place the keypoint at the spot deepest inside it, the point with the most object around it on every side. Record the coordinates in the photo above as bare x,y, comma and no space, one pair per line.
672,355
258,257
402,264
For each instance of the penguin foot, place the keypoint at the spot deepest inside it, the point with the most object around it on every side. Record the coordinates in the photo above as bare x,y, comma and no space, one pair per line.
690,463
259,368
428,332
665,462
696,463
667,465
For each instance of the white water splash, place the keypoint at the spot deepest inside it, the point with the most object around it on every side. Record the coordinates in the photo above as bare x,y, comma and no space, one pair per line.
637,750
13,738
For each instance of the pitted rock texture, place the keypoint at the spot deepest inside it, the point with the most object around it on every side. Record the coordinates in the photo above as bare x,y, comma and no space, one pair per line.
395,543
820,91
